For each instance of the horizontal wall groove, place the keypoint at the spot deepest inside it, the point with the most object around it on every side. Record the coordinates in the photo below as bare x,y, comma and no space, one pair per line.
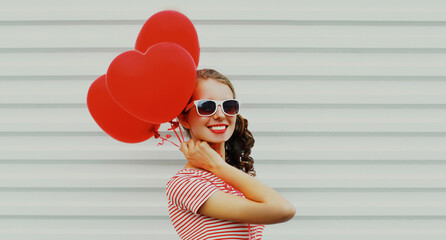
43,105
326,50
178,162
202,50
255,133
48,77
347,162
335,78
65,50
345,106
351,22
70,22
245,77
234,49
139,22
164,161
365,218
364,190
67,217
74,189
280,189
165,217
253,106
352,134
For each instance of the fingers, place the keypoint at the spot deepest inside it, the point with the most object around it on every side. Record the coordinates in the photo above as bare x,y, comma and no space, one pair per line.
191,144
204,144
183,147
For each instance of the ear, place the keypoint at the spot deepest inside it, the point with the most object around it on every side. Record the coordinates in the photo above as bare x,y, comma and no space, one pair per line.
182,118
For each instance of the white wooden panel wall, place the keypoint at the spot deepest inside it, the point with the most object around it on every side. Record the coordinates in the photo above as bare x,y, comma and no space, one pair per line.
346,99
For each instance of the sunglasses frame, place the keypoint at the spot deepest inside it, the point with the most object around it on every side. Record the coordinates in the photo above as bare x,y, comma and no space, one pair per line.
217,103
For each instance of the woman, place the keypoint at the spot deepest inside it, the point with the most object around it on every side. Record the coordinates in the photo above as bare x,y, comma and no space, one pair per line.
216,196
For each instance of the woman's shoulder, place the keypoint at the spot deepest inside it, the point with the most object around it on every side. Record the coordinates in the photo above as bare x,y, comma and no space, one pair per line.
190,180
190,174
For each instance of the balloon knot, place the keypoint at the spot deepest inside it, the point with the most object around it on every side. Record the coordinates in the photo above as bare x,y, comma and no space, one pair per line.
174,125
157,134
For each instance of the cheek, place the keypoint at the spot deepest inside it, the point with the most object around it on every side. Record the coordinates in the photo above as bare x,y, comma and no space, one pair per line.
232,124
197,123
193,119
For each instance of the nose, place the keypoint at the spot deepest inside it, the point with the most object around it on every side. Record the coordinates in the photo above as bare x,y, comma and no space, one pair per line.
219,113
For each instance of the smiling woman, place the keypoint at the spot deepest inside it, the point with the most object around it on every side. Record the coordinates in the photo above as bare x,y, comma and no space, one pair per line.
238,147
215,196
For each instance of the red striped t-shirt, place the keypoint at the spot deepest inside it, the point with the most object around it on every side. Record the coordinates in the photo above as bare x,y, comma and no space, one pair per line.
186,192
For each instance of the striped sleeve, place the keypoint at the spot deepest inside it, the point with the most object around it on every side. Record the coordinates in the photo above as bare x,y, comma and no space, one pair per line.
189,192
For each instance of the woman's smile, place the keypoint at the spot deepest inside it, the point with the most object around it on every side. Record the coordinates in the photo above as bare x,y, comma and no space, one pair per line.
218,128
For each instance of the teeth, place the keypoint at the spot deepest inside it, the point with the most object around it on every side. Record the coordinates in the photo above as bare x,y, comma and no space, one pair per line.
218,127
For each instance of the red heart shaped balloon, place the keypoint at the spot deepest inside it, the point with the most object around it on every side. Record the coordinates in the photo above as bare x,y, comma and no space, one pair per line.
114,120
169,26
154,86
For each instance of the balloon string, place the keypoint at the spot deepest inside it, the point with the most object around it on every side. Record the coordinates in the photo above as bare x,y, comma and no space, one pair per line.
158,135
174,126
181,132
165,139
177,135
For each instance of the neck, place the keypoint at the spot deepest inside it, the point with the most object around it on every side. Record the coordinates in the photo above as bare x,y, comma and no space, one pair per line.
219,148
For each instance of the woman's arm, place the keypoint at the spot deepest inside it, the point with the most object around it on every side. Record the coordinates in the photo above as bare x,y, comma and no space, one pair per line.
262,204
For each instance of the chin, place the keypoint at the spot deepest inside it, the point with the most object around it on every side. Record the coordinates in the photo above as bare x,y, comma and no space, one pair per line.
215,140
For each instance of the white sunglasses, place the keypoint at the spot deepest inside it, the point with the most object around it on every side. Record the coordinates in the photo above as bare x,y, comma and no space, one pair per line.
207,107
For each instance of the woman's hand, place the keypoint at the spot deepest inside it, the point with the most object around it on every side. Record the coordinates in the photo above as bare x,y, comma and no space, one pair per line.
201,155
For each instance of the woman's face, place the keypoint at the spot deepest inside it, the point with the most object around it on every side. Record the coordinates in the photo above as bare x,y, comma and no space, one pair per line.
202,127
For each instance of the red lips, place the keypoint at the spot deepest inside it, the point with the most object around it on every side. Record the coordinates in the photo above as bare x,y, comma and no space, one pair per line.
218,128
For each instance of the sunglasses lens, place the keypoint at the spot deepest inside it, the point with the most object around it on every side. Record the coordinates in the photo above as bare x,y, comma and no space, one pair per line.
206,107
231,107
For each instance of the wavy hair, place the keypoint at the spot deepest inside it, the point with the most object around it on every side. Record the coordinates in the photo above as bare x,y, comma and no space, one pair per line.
238,146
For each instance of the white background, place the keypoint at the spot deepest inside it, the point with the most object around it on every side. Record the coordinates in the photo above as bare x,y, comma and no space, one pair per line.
346,100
